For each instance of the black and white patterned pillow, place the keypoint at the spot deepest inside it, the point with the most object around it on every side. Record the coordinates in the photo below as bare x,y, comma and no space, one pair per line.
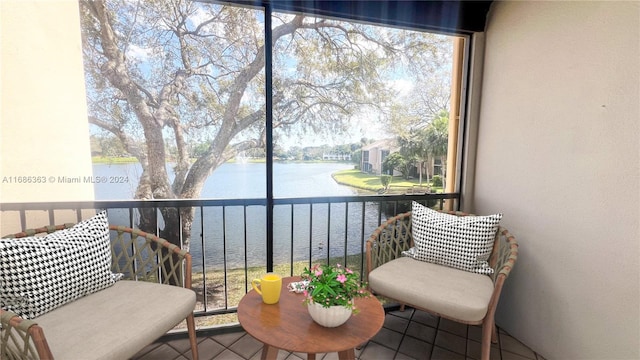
38,275
461,242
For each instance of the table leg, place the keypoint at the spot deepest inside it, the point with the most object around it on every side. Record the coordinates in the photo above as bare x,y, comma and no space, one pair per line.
269,352
311,356
347,355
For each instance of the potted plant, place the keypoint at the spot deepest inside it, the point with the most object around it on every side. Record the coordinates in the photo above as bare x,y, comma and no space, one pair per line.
330,293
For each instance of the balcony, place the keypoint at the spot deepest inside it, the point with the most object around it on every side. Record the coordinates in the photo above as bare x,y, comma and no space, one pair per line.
330,229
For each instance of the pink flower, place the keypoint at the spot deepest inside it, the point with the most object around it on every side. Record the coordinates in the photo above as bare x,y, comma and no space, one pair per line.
349,271
318,272
341,278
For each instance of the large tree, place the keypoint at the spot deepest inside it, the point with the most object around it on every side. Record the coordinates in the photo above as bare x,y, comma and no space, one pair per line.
185,72
399,162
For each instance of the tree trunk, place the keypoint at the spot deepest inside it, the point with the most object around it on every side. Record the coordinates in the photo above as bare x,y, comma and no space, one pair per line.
443,162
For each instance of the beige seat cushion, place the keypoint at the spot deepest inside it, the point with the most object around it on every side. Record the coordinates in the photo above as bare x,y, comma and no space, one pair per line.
458,294
117,322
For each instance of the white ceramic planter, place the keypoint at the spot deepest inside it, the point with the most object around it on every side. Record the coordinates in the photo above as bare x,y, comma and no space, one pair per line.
332,316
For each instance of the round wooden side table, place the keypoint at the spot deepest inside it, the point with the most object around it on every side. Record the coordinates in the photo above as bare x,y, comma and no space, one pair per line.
287,325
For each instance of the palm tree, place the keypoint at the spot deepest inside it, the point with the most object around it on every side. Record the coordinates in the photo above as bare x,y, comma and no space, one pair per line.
420,151
436,138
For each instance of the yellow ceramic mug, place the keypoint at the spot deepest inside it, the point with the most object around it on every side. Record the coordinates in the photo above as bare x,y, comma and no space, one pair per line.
270,286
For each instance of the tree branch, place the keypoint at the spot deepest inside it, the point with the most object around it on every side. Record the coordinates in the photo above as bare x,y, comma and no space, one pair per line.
128,142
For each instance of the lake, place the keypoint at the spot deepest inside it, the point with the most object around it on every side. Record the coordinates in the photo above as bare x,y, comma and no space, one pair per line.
238,180
312,233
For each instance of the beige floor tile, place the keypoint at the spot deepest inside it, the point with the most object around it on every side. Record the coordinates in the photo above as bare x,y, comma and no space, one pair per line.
401,356
228,355
422,332
374,351
425,318
209,349
162,352
396,323
182,345
443,354
388,338
228,338
451,342
406,335
474,350
453,327
415,348
246,346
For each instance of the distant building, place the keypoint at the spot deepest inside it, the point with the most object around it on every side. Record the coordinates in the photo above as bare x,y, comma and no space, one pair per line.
373,155
336,156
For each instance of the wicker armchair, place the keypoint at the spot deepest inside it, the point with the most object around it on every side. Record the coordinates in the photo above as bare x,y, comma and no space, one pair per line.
437,289
116,322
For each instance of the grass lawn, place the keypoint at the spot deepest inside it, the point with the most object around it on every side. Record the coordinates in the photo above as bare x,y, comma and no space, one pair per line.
356,178
113,160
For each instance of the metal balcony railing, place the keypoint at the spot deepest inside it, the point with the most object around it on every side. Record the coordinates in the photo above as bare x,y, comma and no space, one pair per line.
228,239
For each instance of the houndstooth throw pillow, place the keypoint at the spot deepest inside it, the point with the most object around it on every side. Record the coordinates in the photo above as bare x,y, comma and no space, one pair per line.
461,242
39,274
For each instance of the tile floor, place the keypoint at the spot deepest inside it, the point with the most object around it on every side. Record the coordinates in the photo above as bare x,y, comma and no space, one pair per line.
405,335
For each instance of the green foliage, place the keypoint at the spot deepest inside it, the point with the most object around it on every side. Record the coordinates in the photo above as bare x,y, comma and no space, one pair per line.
436,181
333,286
426,142
395,161
386,181
436,135
199,149
107,145
356,156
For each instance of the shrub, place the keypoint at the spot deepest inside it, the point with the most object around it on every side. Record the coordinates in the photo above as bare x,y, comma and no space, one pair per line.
385,180
436,180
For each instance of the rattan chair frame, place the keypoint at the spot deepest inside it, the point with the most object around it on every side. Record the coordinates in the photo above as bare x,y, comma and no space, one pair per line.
150,258
394,236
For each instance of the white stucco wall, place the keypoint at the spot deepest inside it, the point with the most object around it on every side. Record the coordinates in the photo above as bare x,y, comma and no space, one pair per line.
43,126
559,154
